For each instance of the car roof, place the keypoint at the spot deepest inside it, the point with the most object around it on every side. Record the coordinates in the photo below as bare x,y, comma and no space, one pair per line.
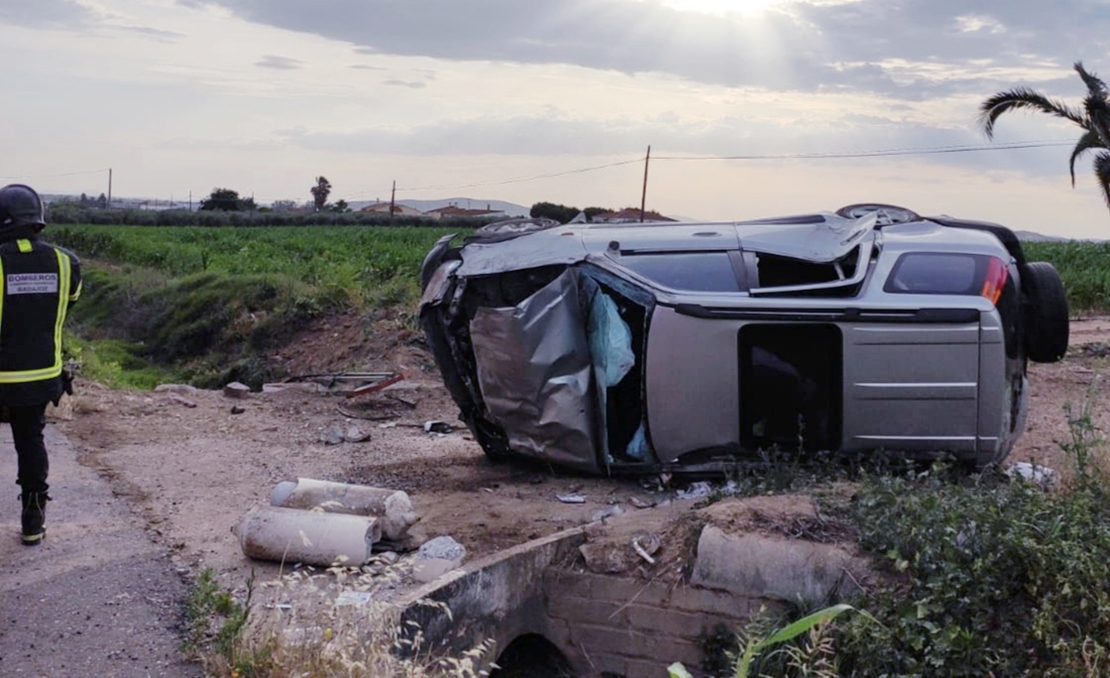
819,237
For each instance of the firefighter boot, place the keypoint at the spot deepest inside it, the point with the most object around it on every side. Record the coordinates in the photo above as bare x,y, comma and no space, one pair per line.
34,517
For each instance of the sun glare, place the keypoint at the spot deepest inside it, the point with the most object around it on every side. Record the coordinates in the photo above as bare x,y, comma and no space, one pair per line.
723,7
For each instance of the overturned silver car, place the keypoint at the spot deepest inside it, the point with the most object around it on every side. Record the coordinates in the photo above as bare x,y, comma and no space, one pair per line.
686,347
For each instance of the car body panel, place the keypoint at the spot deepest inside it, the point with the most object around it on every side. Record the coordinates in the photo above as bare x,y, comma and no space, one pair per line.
693,400
536,374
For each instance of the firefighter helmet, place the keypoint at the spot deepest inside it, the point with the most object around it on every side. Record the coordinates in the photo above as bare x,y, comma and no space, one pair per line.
20,205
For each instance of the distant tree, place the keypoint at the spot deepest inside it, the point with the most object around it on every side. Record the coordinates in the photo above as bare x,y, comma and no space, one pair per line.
284,205
592,212
548,210
320,192
226,200
102,201
1093,118
84,202
340,206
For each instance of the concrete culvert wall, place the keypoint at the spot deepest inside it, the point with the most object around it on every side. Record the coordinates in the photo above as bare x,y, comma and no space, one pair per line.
566,606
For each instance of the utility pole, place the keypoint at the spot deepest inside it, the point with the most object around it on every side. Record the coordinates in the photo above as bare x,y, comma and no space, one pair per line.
109,188
643,196
190,200
392,200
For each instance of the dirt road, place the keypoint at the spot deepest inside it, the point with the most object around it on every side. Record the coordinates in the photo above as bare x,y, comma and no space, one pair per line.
98,598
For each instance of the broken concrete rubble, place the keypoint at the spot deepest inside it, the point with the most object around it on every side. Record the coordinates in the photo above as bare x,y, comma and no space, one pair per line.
393,508
436,558
310,537
237,390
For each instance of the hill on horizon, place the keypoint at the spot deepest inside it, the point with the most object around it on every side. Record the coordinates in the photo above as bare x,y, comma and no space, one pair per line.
510,208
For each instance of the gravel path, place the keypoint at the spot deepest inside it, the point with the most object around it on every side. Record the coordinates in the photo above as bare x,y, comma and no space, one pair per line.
98,598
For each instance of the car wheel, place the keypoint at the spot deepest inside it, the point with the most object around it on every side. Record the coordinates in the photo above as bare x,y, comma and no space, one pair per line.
1046,324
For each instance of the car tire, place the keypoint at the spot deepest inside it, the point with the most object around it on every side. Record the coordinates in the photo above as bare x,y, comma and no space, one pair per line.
1046,322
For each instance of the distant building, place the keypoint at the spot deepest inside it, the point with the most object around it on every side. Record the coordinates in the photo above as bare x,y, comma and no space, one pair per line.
398,209
630,215
454,211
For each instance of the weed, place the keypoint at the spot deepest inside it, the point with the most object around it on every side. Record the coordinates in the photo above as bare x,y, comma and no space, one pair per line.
313,623
989,577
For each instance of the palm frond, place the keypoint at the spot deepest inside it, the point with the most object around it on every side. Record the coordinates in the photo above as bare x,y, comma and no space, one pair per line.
1023,97
1102,171
1095,85
1086,142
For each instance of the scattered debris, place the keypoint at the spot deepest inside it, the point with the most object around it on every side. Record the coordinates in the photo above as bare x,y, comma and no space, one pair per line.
437,427
436,558
334,434
181,400
393,508
310,537
302,387
571,498
1041,475
175,388
607,512
237,390
645,544
349,598
371,388
640,503
235,409
354,435
698,490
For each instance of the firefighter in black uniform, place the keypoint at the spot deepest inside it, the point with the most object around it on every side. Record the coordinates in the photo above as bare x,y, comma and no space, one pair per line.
39,283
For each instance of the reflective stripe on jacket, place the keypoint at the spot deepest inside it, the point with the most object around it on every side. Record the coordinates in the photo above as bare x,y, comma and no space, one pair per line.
39,282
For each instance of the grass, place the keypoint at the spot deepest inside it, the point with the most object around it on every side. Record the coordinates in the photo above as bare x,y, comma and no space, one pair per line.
299,625
204,305
352,259
1084,267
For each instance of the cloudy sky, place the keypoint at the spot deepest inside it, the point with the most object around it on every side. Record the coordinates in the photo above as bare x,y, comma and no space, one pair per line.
556,100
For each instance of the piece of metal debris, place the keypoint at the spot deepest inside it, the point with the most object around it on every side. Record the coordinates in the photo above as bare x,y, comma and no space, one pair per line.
437,427
608,512
371,388
235,409
571,498
640,503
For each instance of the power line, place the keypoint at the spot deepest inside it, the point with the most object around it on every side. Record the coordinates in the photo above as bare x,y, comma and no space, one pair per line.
517,180
879,153
52,176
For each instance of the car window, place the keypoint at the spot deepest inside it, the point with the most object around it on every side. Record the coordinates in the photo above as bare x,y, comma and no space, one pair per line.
935,273
693,271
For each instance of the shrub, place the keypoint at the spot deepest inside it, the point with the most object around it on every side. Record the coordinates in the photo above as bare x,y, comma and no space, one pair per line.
994,576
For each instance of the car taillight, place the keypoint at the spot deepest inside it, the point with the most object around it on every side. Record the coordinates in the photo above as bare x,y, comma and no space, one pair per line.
997,275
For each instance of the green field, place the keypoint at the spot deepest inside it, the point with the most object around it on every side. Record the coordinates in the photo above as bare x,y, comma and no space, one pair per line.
1084,268
206,304
351,258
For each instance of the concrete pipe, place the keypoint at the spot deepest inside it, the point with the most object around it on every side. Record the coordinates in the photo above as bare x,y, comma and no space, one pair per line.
392,507
310,537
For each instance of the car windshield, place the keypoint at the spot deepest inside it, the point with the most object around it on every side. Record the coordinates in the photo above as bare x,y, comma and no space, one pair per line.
693,271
